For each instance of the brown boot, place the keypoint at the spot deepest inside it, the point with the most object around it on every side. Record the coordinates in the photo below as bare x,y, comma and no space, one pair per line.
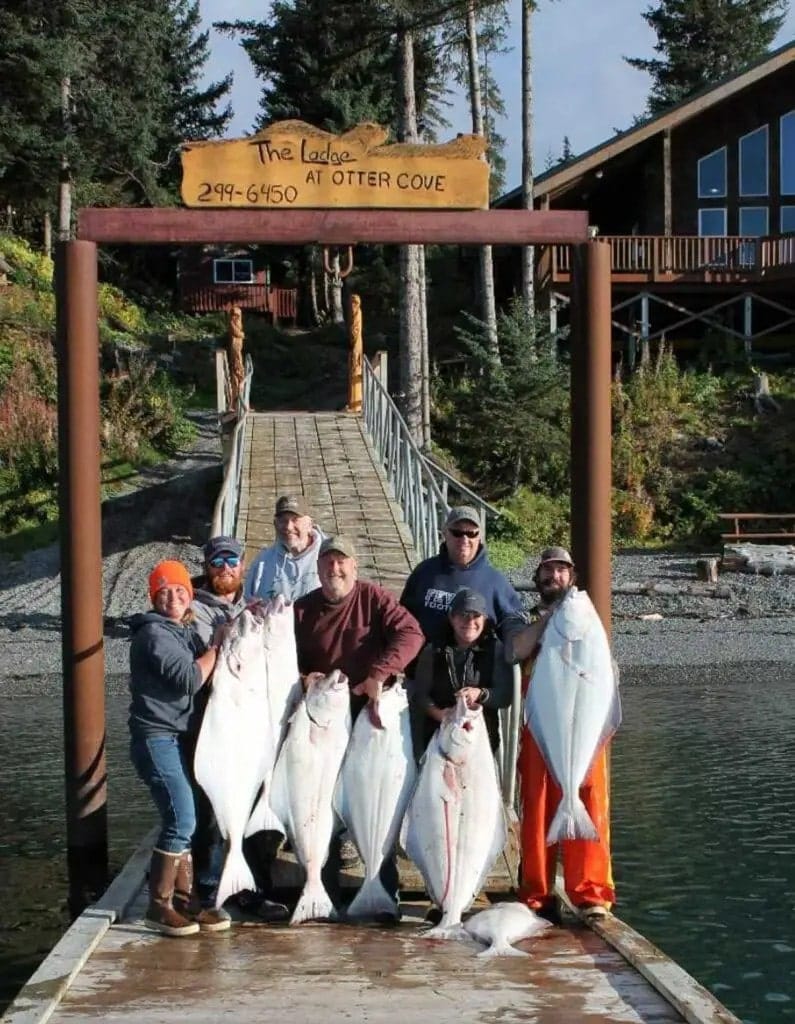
186,902
161,915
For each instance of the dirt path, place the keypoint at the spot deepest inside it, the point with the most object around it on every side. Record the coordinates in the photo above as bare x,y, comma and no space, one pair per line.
168,515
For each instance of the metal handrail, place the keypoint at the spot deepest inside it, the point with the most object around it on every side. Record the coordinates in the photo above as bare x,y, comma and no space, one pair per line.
448,483
424,503
226,504
413,484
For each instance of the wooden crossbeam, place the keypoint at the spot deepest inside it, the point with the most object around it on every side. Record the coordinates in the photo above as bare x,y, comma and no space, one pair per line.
176,225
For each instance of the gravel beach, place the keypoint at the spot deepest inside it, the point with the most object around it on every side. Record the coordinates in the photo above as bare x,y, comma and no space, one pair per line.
168,515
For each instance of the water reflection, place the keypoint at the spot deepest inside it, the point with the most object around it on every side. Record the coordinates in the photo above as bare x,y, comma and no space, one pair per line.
704,843
703,834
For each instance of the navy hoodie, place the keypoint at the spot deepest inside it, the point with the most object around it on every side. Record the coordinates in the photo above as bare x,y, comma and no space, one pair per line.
164,676
433,584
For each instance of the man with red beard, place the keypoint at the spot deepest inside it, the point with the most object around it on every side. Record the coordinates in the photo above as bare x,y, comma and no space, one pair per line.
217,600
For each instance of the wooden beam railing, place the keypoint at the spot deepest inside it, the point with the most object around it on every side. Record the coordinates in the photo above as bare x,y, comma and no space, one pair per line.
660,255
738,519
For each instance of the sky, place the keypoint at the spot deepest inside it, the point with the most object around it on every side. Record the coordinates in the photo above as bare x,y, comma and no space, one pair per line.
582,86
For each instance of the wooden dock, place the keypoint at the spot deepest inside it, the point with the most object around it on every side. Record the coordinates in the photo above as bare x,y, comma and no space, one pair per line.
108,967
328,458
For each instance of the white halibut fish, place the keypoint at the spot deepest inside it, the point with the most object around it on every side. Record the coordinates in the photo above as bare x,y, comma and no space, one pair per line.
236,744
304,780
502,925
454,828
373,791
572,706
284,691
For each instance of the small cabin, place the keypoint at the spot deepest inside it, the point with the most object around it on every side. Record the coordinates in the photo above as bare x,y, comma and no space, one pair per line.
213,279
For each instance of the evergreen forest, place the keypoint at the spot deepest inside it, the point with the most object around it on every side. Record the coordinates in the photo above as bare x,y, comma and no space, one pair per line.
96,98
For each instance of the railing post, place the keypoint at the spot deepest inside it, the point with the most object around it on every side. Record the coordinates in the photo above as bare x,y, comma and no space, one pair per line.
82,643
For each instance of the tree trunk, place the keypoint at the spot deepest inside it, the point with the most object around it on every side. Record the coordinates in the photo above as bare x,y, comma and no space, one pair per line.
314,312
411,283
486,263
426,372
411,356
48,233
337,306
65,176
528,256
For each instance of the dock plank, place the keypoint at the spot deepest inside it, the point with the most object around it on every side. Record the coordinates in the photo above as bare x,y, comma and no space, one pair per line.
328,458
355,973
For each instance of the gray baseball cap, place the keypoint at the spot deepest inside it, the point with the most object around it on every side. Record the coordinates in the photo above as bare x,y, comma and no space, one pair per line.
555,555
468,601
462,513
343,545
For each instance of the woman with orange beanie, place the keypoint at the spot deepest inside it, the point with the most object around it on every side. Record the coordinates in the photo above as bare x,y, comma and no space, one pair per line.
168,666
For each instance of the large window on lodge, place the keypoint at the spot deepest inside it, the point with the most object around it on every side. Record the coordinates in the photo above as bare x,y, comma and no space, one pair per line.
754,163
787,127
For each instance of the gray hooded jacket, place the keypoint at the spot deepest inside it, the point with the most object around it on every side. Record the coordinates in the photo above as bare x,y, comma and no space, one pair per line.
276,571
164,676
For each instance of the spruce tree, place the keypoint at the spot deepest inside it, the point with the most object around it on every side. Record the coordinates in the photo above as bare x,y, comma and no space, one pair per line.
702,41
130,72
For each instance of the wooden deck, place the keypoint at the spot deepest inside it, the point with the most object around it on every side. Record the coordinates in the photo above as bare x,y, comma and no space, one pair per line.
683,259
120,972
326,457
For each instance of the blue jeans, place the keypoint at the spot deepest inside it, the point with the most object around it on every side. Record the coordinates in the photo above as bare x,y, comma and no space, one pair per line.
162,766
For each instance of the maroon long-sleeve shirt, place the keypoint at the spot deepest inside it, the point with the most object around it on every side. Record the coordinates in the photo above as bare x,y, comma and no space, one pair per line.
366,634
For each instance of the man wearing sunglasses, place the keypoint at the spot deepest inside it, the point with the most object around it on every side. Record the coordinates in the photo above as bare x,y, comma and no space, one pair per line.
218,593
462,562
218,599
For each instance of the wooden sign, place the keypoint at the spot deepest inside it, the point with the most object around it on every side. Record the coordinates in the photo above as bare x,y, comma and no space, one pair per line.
292,165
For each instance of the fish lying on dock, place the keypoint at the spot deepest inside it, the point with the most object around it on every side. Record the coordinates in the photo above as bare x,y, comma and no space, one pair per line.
236,744
373,791
572,706
303,784
502,925
284,691
455,828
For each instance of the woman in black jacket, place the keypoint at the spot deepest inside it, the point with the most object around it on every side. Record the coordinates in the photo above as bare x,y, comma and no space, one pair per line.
469,661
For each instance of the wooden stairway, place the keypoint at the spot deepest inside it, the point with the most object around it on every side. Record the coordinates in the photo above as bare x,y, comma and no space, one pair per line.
328,458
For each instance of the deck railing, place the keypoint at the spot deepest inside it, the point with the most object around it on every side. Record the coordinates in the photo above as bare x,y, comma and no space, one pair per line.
677,255
282,303
413,484
232,423
422,488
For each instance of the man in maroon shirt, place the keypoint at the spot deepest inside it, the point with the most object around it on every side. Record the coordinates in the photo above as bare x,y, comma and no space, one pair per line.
354,626
359,628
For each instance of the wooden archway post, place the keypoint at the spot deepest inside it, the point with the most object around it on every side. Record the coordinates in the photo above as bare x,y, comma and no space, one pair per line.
591,423
82,642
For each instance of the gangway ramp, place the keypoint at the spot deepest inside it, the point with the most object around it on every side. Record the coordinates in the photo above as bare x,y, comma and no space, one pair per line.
327,457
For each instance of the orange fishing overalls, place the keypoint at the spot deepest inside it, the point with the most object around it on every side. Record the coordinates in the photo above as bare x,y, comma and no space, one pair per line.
587,873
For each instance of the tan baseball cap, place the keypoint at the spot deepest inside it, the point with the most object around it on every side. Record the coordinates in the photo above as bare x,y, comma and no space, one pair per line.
343,545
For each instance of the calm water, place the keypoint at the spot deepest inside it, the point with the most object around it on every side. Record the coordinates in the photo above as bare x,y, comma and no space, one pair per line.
704,833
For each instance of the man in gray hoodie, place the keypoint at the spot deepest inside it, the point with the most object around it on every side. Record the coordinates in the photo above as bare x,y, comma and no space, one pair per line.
289,566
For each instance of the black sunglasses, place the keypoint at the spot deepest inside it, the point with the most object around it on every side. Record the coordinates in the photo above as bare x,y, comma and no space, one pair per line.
464,533
233,561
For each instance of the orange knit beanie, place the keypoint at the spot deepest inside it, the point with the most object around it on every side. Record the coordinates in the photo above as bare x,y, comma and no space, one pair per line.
169,572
